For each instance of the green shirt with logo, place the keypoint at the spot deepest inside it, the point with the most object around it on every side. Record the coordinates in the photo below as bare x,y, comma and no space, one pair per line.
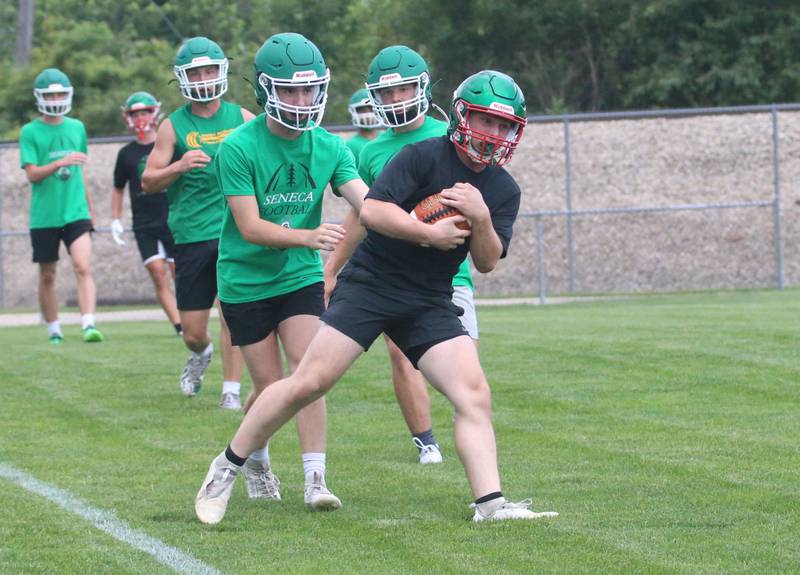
195,202
60,198
356,144
377,153
288,179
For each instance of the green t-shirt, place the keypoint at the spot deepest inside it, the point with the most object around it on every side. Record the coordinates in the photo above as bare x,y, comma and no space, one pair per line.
195,203
356,144
288,179
378,152
60,198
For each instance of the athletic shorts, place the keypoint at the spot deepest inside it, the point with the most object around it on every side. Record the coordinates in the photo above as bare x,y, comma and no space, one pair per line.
252,322
45,241
414,322
196,274
155,243
465,299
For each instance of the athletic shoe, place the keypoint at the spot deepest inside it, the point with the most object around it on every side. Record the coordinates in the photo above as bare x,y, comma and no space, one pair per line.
503,510
56,339
427,453
230,400
212,499
261,482
193,374
92,335
318,497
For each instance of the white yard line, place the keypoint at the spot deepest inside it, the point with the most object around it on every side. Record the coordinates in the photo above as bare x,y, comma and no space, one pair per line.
106,521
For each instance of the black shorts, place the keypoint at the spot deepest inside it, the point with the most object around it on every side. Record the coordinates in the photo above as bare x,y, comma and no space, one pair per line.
196,275
45,241
414,322
155,243
251,322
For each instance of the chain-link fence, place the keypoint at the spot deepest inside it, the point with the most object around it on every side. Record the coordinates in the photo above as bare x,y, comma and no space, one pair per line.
612,202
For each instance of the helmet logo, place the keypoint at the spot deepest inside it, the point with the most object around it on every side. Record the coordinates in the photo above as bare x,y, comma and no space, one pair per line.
305,75
390,77
506,109
54,87
200,59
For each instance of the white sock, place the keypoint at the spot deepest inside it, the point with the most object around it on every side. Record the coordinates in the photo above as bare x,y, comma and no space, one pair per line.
54,328
87,320
313,462
260,455
206,352
231,387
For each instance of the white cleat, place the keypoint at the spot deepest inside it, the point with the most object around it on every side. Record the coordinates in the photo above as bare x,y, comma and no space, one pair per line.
318,497
427,453
507,510
261,482
212,499
193,373
230,401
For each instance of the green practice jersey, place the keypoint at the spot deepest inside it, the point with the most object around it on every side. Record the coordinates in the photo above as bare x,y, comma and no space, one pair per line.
288,179
378,152
195,202
356,144
60,198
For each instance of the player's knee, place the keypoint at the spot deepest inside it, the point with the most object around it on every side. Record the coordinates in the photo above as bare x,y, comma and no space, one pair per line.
82,269
478,394
47,277
309,387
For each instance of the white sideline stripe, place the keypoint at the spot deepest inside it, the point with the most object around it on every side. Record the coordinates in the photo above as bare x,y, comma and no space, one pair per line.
108,522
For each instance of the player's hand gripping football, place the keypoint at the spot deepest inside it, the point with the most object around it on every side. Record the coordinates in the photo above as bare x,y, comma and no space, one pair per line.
194,159
467,199
445,235
325,237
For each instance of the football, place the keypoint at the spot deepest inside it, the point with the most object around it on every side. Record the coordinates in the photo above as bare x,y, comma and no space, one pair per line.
431,210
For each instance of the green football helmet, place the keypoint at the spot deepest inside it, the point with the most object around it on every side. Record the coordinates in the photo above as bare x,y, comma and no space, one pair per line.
395,66
200,52
291,61
141,123
53,81
366,118
496,94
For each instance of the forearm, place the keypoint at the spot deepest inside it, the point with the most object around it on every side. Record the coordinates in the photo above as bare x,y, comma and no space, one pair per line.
38,173
485,246
266,233
354,234
390,220
87,191
155,180
116,204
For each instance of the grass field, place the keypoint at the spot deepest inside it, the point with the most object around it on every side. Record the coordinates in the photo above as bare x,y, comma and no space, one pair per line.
664,430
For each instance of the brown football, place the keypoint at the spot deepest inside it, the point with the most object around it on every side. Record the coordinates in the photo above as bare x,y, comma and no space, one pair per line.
431,210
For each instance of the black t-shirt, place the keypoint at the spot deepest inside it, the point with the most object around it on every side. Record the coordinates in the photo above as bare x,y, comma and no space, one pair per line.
418,171
149,210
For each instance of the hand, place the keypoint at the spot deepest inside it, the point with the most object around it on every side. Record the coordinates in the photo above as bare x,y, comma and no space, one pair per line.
116,232
325,237
445,236
73,159
193,159
467,199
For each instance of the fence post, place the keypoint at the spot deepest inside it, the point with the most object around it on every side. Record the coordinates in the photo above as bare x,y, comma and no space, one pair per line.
540,258
776,182
568,202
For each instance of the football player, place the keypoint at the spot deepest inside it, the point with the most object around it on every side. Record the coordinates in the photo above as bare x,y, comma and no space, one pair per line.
398,83
273,172
394,284
182,163
53,153
141,115
363,118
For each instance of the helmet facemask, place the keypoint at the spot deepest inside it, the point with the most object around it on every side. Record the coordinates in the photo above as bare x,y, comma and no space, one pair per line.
203,90
405,112
60,107
294,117
141,123
489,149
